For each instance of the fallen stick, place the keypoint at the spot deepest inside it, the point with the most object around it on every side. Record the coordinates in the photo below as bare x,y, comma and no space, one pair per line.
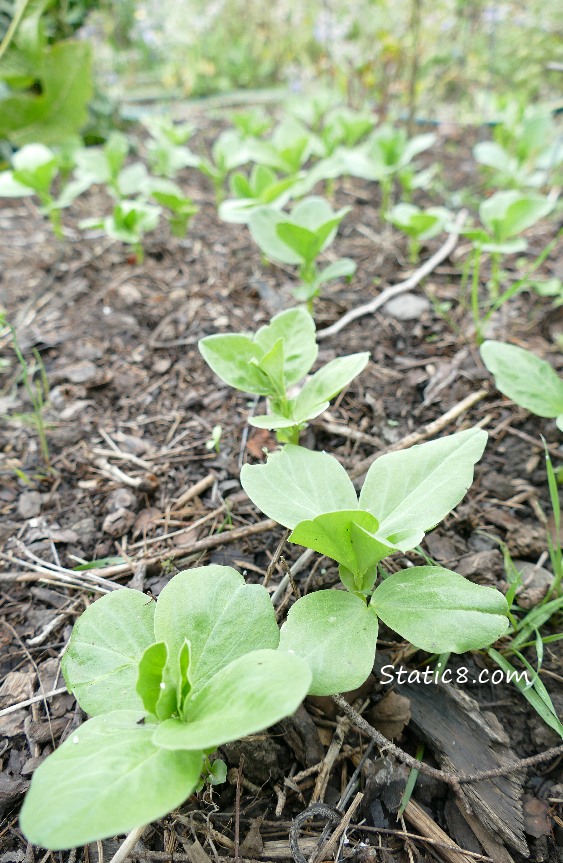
400,288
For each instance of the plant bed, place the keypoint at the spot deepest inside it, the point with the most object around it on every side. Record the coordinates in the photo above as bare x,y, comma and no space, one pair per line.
137,476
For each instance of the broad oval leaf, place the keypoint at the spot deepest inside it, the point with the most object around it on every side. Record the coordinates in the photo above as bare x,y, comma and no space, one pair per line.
414,489
234,358
263,223
525,378
221,616
506,214
325,384
107,778
336,634
248,695
100,665
297,484
151,667
440,611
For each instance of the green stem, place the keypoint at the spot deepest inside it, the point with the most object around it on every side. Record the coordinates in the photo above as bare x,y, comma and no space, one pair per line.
495,275
475,310
414,250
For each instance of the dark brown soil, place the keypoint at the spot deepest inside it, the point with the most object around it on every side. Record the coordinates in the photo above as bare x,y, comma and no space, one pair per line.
128,390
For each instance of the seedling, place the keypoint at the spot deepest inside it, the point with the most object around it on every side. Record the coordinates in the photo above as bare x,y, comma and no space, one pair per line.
419,225
404,495
343,127
287,150
165,683
504,216
170,196
214,441
252,123
128,223
298,239
261,188
386,154
229,151
165,154
525,378
272,361
525,150
34,171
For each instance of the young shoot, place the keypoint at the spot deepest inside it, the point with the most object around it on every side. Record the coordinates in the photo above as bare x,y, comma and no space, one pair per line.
298,239
166,154
261,188
128,223
405,494
419,225
35,169
165,683
288,148
272,362
526,379
504,217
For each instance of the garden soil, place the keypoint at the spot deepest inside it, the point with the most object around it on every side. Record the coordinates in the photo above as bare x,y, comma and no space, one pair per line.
128,415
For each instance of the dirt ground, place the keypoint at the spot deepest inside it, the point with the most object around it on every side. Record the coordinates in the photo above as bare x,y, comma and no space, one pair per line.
130,407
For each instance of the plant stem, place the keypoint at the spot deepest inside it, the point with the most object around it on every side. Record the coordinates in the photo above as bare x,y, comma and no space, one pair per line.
475,295
495,275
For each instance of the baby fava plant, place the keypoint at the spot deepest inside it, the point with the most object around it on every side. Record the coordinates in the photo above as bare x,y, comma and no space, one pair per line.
525,378
165,683
261,188
35,169
272,361
299,238
404,495
419,225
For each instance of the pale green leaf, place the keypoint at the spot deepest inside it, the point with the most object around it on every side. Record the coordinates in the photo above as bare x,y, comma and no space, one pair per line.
439,611
221,616
525,378
297,484
414,489
325,384
107,643
235,359
107,778
297,329
336,634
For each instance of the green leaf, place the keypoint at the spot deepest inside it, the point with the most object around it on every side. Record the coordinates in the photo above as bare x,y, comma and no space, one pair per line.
58,112
297,329
297,484
250,694
338,270
272,363
235,359
336,634
345,536
221,616
263,223
506,214
525,378
325,384
439,611
108,640
414,489
151,667
107,778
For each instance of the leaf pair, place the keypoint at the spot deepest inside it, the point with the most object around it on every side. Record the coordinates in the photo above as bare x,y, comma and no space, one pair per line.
276,358
165,682
404,495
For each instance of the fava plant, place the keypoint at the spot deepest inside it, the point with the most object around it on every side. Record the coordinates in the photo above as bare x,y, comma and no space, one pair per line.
272,362
166,154
419,225
525,378
165,683
262,188
343,127
404,495
35,169
229,151
298,239
385,155
504,216
288,148
128,223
